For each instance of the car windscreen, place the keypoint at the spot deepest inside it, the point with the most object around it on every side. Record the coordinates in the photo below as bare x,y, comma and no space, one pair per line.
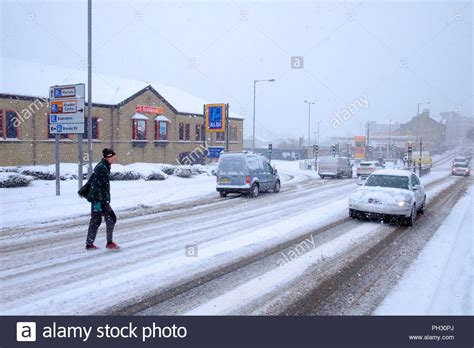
460,164
231,165
394,181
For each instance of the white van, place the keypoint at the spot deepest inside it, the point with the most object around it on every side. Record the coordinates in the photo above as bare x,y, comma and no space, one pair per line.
336,167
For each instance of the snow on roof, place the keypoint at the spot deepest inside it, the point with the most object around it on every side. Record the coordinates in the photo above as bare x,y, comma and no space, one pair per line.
138,116
162,118
395,172
25,78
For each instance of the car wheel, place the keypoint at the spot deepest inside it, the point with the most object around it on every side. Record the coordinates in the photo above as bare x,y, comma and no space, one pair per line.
277,187
410,221
254,191
422,208
353,214
223,193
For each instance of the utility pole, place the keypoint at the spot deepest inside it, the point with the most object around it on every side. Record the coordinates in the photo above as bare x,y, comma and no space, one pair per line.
368,133
89,85
254,96
418,116
309,120
390,139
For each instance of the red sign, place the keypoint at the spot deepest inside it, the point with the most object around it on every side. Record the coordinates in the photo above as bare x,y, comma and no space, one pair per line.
146,109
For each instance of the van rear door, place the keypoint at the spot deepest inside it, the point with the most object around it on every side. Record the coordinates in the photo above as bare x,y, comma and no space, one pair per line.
232,170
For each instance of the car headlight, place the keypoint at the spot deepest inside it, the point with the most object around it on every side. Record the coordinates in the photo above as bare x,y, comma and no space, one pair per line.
402,203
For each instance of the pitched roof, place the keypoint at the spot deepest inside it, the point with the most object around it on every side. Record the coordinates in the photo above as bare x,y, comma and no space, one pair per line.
30,79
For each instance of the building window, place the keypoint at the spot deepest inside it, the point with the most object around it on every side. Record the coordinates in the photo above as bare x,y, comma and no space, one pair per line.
187,132
9,125
199,136
1,124
184,131
95,128
139,130
233,133
161,130
220,136
181,131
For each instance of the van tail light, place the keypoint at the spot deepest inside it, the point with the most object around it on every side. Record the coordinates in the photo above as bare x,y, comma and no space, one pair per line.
247,179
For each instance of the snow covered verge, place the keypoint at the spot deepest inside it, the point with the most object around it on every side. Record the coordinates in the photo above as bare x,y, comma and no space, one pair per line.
134,186
8,179
440,280
134,171
38,203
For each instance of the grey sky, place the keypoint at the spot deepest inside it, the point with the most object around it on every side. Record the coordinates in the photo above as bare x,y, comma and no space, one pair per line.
395,54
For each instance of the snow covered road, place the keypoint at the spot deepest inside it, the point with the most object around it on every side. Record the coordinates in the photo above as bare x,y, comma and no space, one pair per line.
239,244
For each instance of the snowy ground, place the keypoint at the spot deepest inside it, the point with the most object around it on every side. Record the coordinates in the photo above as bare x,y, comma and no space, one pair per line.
440,281
38,202
239,245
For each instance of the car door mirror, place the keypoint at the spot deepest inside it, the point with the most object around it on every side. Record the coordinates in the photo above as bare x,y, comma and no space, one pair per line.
416,187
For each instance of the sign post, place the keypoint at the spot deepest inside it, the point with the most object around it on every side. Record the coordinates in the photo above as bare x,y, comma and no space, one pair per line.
66,116
315,153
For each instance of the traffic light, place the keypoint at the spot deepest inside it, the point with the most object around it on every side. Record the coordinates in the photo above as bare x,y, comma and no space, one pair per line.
410,147
333,149
270,147
315,148
370,149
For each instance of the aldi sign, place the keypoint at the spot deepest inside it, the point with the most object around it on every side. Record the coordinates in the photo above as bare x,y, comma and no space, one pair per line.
215,117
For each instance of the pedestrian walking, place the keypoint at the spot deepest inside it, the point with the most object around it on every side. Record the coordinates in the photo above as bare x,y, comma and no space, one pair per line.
99,196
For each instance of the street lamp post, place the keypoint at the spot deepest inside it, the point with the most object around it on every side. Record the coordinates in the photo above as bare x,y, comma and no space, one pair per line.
309,120
389,149
254,96
417,117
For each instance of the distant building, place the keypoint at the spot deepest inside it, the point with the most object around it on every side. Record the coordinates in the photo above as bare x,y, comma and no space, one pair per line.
457,128
422,126
383,128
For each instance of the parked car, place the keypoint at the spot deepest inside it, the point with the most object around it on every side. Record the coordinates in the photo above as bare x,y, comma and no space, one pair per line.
240,172
366,168
335,167
460,168
389,194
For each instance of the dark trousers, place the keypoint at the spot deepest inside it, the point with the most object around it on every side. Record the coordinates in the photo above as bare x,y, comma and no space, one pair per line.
96,220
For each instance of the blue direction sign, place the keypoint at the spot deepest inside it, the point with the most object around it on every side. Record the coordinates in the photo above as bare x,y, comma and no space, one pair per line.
214,151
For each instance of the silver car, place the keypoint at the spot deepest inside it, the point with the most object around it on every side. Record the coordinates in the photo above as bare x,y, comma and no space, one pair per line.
460,168
240,172
389,194
335,167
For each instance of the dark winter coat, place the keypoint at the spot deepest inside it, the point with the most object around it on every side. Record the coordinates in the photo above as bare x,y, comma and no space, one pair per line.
100,185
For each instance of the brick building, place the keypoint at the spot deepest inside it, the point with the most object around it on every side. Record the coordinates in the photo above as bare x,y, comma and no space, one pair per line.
142,126
423,126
